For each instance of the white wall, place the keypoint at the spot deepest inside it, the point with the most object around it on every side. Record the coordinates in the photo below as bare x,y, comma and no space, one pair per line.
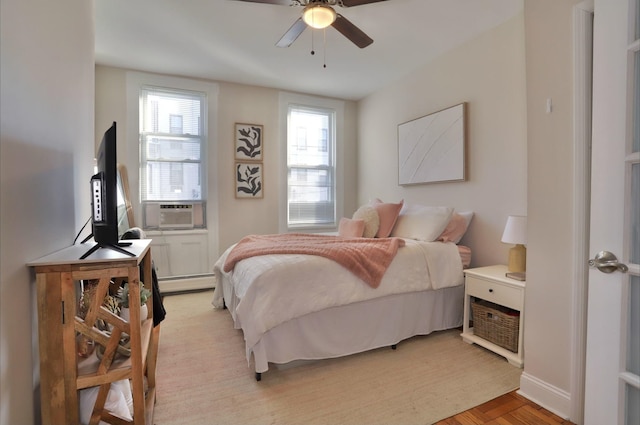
236,103
46,152
489,74
520,162
549,314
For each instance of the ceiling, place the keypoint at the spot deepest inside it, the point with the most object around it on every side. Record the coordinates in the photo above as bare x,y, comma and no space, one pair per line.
234,41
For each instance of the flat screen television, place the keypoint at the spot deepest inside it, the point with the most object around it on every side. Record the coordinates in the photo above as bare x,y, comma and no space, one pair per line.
104,198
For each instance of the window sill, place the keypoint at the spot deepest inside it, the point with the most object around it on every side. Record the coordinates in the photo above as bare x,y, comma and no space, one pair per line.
175,232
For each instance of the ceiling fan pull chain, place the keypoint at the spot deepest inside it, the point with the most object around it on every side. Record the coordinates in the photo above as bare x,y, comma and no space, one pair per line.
313,52
324,47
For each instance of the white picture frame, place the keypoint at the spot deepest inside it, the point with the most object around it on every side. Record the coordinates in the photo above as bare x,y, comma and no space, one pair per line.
432,148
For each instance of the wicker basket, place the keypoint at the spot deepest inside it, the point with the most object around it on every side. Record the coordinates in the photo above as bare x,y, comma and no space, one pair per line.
496,324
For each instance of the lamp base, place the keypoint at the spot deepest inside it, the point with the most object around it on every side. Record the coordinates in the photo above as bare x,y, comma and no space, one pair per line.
517,259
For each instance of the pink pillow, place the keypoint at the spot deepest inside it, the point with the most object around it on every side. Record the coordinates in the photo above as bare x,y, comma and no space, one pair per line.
349,228
456,228
388,214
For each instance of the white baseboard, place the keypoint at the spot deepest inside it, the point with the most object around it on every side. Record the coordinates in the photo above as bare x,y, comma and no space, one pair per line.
553,399
186,283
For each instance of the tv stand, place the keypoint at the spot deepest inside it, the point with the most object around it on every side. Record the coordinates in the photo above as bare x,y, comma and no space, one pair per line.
116,247
62,371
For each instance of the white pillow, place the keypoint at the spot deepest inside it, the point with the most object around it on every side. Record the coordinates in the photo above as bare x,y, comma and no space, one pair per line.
421,222
371,220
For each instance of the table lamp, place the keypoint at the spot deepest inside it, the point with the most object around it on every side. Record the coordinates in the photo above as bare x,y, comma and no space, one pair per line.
515,232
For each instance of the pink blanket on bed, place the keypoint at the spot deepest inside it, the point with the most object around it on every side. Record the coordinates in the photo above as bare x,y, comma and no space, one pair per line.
367,258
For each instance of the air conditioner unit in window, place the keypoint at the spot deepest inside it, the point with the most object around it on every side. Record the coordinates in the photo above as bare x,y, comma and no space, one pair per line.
176,216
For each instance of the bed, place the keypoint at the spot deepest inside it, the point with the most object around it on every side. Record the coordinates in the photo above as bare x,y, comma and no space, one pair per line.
300,306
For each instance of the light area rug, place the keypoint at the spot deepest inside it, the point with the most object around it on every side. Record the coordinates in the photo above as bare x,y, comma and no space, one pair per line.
203,377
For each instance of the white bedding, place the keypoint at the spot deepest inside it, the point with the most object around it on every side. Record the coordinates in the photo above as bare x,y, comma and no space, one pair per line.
273,289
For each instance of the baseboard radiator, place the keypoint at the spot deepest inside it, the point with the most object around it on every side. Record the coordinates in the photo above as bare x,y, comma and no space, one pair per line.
174,284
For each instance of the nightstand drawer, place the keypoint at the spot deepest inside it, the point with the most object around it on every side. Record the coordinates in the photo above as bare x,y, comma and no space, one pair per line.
494,292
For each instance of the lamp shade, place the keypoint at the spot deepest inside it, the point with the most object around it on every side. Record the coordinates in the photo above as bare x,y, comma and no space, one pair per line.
318,16
515,231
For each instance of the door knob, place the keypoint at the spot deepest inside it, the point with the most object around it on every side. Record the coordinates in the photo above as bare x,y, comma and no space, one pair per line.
607,262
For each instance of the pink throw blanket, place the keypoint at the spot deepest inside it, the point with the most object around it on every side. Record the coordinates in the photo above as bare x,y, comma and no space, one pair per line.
367,258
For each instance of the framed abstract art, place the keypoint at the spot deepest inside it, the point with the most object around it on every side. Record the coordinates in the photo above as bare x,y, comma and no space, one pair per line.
248,142
249,180
433,148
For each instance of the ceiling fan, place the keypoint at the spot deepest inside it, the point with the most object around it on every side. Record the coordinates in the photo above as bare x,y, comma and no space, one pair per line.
321,14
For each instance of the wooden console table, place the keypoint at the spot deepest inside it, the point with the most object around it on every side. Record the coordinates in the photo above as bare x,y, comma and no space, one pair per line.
62,371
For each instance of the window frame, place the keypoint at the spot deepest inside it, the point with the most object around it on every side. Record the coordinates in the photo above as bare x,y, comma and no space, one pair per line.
134,81
201,139
286,101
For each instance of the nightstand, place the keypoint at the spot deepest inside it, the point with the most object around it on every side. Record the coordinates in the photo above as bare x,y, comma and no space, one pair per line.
491,284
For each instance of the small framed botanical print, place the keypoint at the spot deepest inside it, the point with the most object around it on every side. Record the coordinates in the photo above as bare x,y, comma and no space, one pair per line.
248,142
249,180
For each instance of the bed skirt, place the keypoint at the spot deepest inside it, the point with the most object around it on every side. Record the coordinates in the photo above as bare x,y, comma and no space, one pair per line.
354,328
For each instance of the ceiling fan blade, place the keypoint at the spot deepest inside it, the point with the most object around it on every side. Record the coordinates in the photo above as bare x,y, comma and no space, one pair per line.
351,3
280,2
353,33
292,33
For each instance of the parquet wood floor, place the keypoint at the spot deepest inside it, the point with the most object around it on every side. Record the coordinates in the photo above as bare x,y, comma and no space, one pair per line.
509,409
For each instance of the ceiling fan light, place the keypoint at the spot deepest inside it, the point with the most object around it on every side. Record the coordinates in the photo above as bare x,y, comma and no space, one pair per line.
318,16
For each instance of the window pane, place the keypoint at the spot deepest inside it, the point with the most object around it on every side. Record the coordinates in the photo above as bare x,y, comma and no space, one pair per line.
632,404
308,145
636,8
172,148
633,333
634,249
311,185
636,103
318,213
172,181
171,112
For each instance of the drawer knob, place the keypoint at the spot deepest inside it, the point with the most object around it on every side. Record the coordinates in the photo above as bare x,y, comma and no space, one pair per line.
490,290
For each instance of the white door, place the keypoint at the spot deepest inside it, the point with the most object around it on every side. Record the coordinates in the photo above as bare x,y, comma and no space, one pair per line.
612,382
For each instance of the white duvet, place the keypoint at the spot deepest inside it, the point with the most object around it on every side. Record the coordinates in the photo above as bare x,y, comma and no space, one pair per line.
273,289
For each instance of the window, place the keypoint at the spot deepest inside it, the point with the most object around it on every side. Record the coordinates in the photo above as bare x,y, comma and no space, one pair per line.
311,171
172,146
